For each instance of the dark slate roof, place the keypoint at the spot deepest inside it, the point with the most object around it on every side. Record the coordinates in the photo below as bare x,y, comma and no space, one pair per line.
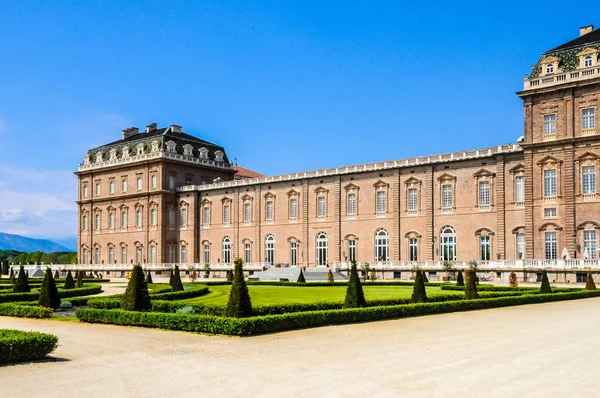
592,37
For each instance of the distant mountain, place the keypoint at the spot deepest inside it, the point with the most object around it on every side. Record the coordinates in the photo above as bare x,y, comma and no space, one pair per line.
25,244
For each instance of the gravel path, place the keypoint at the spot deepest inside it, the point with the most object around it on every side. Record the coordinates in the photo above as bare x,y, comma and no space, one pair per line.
529,351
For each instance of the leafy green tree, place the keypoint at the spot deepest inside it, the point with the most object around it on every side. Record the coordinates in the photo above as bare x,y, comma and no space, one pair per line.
79,281
330,276
471,286
48,292
589,283
149,278
301,277
5,267
419,294
355,296
176,286
21,284
545,287
136,297
460,281
69,283
239,304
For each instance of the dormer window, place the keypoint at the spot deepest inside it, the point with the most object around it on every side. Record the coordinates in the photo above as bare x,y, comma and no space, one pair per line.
188,150
171,147
139,149
99,157
219,156
125,152
203,153
588,61
113,154
549,68
155,146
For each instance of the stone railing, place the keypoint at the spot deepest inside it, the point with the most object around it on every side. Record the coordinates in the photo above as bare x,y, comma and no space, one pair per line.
481,265
560,78
393,164
129,267
155,155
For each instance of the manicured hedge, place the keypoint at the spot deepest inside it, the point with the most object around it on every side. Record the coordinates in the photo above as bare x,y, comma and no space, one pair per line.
182,294
19,346
299,320
524,289
25,310
13,297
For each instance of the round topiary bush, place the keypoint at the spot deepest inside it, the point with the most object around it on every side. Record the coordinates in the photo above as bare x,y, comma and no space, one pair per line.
19,346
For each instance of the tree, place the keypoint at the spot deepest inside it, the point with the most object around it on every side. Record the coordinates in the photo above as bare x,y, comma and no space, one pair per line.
21,284
48,292
589,283
512,280
5,267
460,281
176,286
69,283
194,275
79,282
471,286
545,287
239,304
355,296
449,268
136,297
149,278
419,294
301,277
330,276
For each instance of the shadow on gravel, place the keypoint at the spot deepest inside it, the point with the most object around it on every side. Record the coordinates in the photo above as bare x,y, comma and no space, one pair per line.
45,360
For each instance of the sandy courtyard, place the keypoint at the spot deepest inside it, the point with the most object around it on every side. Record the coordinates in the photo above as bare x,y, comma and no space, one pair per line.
545,350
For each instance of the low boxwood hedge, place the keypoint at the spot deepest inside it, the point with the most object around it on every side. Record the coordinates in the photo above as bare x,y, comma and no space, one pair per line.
19,346
299,320
196,291
25,310
31,296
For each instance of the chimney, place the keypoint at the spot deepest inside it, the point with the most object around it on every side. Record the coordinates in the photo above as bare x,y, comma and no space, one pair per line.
584,30
150,127
130,132
175,128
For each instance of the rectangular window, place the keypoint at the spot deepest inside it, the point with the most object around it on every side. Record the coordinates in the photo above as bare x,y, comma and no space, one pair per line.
589,179
111,255
206,254
172,216
138,254
380,202
97,222
520,191
521,246
588,119
85,191
124,185
321,207
97,189
124,219
352,250
153,181
171,254
84,222
412,200
152,254
226,215
485,248
550,245
138,218
550,212
123,255
247,253
153,218
184,217
293,253
97,256
446,197
111,220
550,183
206,216
549,124
484,194
247,213
269,211
589,244
413,249
139,183
351,205
293,209
183,254
111,187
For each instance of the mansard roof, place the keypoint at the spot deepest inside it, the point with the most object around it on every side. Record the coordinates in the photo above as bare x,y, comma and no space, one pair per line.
582,41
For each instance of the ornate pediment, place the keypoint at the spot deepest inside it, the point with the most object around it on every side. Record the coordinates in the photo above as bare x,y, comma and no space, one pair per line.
549,160
412,234
550,224
381,184
247,197
518,168
484,231
321,189
484,173
351,187
587,156
413,181
292,192
447,177
269,195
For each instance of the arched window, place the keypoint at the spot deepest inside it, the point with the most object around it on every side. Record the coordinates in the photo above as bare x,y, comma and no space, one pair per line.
587,61
227,250
381,245
448,244
321,249
270,249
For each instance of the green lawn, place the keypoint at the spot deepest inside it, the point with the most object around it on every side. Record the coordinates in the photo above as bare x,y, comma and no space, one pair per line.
264,295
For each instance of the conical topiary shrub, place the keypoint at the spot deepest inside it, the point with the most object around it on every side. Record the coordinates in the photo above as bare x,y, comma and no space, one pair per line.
239,304
460,281
56,274
301,277
471,286
136,297
330,276
419,294
21,284
69,282
149,278
229,276
171,278
425,279
12,276
545,287
355,296
176,286
79,280
48,292
589,283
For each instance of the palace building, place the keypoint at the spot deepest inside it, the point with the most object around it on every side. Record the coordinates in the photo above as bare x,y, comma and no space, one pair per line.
163,196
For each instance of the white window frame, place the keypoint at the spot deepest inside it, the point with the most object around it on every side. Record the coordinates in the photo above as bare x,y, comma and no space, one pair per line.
139,183
550,183
447,197
247,213
322,250
550,124
550,245
139,214
413,249
226,214
124,185
381,202
226,250
351,205
123,255
520,191
520,245
484,195
413,200
269,211
111,187
550,212
588,175
153,181
352,250
485,248
247,253
111,220
588,61
321,207
98,189
270,249
589,244
206,250
293,253
293,209
183,217
206,216
153,217
382,245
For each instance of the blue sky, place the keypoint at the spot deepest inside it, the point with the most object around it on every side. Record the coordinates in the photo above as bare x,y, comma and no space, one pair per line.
335,82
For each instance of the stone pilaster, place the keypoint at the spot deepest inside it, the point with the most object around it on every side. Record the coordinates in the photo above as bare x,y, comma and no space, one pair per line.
429,236
397,239
568,183
236,223
500,208
529,200
305,239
